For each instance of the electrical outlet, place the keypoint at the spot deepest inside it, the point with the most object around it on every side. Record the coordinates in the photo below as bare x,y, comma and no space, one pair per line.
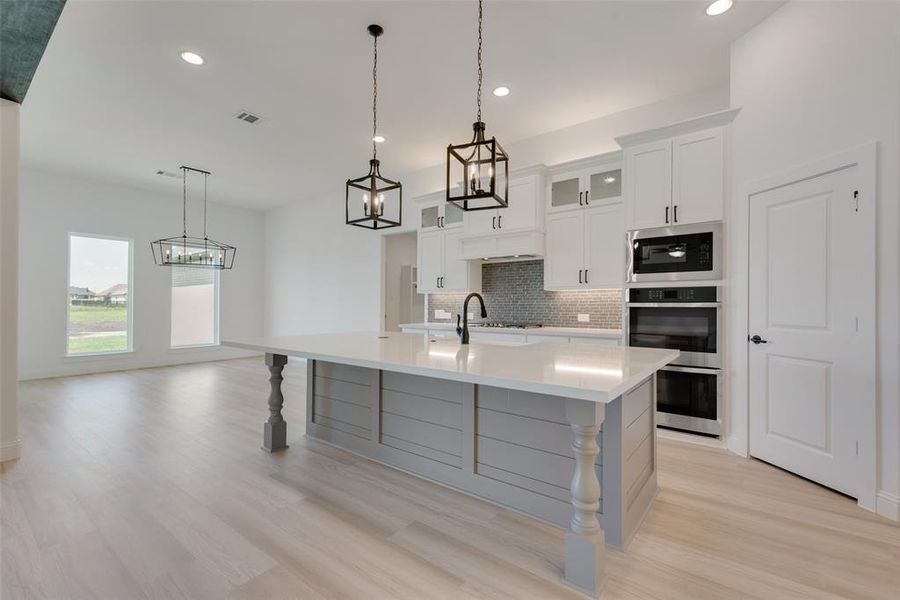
584,318
471,315
441,314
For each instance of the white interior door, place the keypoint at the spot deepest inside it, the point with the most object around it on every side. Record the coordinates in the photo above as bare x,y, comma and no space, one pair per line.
811,381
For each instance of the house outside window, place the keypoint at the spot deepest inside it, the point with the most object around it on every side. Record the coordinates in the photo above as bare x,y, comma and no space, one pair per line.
99,295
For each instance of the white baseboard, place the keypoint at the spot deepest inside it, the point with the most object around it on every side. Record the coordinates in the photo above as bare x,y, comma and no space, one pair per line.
888,506
10,450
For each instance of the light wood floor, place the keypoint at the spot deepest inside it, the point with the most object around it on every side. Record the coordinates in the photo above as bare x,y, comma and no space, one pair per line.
151,484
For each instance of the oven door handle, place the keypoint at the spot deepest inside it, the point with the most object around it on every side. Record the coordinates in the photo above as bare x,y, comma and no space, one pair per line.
699,370
673,304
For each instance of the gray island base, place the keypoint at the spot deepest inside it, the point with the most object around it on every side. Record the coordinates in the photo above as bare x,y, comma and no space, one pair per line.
584,465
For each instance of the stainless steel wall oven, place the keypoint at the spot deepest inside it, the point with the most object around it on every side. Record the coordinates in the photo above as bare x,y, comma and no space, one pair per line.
689,319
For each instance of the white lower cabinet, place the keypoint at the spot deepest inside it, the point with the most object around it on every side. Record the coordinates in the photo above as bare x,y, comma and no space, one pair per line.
440,268
600,341
535,339
585,249
484,336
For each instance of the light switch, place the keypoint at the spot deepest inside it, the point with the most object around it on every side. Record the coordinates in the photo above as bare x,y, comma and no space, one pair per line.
584,318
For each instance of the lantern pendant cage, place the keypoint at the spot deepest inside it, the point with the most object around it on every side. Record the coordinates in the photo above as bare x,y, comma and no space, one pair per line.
478,171
189,251
373,201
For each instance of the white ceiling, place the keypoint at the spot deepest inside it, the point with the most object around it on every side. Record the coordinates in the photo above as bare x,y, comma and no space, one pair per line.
112,98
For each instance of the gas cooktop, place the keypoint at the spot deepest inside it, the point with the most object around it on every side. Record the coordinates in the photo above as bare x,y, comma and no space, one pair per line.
508,325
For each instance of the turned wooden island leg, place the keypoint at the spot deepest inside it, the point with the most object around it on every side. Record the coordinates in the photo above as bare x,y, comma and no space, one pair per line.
275,428
585,543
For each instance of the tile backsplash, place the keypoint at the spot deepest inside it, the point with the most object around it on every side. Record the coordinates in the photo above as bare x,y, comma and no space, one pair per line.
514,292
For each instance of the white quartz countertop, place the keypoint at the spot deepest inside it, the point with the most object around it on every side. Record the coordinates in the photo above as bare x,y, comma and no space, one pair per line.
574,370
570,331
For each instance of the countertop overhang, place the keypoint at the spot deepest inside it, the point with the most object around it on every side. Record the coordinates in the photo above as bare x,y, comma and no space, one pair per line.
573,370
589,332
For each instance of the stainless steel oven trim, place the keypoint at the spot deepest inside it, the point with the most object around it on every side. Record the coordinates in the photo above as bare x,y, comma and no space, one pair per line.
638,234
708,426
712,360
675,304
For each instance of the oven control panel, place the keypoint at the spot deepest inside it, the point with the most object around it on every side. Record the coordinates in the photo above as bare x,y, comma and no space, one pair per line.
674,294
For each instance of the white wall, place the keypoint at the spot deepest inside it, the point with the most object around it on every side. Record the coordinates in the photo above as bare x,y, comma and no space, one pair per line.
9,247
54,205
323,275
815,79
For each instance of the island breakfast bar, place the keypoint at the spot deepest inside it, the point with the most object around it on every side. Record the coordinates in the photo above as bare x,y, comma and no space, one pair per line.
564,432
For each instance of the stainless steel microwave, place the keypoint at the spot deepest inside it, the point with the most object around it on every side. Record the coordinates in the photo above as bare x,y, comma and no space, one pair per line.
677,253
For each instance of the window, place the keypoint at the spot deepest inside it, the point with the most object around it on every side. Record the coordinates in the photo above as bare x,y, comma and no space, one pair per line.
195,307
99,298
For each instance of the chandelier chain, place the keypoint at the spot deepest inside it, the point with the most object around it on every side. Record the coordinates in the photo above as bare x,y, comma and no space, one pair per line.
205,178
480,72
183,202
375,98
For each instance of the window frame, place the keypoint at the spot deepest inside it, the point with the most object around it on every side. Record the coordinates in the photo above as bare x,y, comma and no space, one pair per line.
130,304
216,312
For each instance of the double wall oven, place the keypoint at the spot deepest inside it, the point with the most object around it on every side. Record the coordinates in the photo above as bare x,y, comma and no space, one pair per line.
686,318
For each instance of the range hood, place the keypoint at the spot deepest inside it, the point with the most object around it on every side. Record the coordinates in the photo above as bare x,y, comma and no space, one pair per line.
503,247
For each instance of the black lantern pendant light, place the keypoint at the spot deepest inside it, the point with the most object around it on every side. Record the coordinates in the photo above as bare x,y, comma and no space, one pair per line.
371,197
481,167
186,251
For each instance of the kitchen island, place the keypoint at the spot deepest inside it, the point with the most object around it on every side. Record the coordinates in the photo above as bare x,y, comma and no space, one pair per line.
564,432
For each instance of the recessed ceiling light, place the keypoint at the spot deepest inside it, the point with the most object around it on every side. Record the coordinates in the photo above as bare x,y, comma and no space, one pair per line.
378,139
501,91
717,7
191,57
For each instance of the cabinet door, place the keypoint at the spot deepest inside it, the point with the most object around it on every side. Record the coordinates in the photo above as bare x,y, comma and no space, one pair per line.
431,260
428,217
604,246
605,187
482,221
698,186
648,179
522,210
565,192
564,258
456,271
453,215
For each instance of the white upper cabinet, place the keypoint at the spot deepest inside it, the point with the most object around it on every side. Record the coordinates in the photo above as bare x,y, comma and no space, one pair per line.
585,249
676,175
585,183
440,268
649,185
604,246
698,168
436,213
564,260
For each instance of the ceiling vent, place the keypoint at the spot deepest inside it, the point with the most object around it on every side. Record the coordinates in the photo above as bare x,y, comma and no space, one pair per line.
247,117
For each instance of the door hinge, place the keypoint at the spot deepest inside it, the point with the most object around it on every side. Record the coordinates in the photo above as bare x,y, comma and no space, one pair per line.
856,199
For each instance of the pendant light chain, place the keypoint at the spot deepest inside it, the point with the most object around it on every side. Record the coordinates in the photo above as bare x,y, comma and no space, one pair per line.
375,98
183,202
205,178
480,72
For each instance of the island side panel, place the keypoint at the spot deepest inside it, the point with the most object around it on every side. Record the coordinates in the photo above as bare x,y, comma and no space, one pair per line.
630,475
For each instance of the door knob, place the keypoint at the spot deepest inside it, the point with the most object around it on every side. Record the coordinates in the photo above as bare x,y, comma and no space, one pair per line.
757,340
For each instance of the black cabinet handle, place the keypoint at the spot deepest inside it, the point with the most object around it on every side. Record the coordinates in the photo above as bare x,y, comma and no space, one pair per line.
757,340
587,197
437,282
675,213
500,222
580,198
667,215
494,222
585,275
579,275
